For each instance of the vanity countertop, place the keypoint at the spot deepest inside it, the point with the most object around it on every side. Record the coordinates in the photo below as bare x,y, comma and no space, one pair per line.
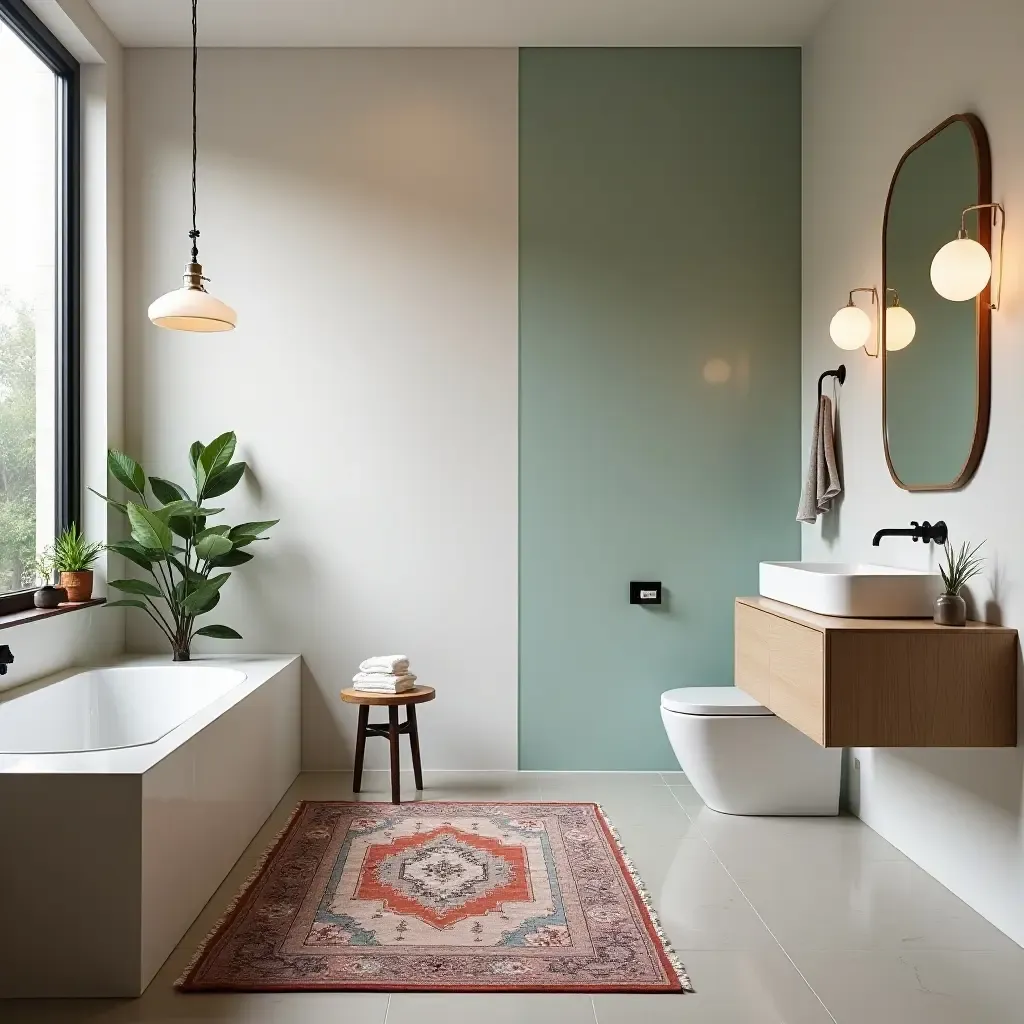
825,623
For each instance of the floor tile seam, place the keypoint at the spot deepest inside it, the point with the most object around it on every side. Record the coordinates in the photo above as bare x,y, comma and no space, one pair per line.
764,923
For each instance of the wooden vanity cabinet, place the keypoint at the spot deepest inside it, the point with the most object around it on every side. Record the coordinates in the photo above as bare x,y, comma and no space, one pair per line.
879,682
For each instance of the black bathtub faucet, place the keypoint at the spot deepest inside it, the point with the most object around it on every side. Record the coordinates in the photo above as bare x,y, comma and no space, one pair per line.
6,658
928,532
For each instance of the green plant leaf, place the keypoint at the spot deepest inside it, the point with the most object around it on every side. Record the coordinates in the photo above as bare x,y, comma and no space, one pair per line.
214,531
127,471
232,558
212,545
148,529
186,527
252,530
217,454
223,481
141,587
194,453
218,633
126,602
184,508
133,552
166,491
204,597
119,505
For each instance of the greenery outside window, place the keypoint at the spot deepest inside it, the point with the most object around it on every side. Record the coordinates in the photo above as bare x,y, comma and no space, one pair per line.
40,485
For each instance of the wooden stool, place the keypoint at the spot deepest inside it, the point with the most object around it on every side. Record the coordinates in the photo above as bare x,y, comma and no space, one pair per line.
392,701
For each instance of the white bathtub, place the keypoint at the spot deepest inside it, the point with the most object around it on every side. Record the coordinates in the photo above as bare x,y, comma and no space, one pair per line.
110,708
127,792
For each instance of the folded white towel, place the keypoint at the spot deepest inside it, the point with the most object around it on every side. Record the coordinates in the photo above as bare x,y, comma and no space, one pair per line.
363,688
381,683
389,664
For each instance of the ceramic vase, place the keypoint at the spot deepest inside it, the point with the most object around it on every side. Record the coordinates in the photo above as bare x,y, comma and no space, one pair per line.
950,610
48,597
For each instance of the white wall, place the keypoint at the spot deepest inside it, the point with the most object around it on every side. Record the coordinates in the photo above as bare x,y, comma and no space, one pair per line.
878,75
93,635
359,209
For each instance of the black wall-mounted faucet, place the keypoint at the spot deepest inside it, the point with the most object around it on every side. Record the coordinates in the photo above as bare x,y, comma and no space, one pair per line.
928,532
6,658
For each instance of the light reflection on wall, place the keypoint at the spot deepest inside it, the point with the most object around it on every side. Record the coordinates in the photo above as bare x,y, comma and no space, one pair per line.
718,371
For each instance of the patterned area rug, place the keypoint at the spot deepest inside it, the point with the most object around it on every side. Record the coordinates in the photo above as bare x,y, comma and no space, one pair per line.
451,897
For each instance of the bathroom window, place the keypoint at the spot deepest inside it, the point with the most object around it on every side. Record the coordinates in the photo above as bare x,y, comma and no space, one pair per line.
39,376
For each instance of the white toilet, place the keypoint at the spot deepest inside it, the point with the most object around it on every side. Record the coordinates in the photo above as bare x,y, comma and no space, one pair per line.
741,759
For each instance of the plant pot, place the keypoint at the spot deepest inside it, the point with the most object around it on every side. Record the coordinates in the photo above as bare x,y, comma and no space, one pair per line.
78,585
48,597
950,610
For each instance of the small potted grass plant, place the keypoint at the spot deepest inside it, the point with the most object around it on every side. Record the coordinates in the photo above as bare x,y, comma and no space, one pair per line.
73,558
961,567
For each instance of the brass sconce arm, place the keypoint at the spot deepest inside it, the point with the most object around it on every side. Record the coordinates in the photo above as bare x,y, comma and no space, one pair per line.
878,318
998,216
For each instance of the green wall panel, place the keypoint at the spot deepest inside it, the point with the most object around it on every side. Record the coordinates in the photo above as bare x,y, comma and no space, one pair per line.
660,375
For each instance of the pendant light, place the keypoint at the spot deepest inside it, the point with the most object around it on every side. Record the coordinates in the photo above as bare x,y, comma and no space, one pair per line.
192,307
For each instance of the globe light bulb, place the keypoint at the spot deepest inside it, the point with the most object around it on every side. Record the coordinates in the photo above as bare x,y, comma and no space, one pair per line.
900,328
850,328
961,269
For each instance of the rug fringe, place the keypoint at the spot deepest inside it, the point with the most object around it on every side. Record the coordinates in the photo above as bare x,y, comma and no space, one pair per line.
246,885
645,897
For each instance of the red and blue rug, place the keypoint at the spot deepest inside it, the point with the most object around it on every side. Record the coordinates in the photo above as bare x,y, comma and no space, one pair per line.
447,897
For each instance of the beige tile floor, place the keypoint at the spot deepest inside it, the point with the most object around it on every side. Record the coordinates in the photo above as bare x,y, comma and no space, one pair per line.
779,921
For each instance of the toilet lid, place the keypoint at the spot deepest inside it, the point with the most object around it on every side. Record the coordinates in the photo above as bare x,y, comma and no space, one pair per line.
711,700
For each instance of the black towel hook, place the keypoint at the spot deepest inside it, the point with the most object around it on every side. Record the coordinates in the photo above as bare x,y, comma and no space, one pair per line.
839,373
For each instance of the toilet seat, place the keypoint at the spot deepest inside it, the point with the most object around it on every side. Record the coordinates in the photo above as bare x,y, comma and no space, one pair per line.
712,700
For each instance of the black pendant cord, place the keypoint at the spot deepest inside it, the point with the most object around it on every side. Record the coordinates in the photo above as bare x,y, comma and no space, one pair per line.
194,233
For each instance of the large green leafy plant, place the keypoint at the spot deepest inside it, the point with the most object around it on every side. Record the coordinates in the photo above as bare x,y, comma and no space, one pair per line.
171,540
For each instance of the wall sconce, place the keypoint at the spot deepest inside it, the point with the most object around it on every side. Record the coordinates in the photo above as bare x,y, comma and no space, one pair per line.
851,326
962,268
900,326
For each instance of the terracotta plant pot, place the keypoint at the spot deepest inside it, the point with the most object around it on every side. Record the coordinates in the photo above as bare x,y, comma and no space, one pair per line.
950,610
78,585
48,597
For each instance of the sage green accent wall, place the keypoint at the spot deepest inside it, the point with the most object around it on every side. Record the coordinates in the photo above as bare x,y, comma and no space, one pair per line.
660,371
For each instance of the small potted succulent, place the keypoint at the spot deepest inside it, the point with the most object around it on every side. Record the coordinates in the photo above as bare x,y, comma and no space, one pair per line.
961,566
47,596
73,558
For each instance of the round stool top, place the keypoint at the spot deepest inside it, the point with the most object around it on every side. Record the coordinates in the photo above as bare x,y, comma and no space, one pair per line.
417,695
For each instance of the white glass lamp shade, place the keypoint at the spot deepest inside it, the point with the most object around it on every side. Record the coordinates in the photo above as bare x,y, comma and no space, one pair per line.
900,328
961,269
850,328
190,309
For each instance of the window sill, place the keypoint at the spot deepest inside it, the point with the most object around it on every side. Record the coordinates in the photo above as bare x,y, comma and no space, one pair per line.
34,614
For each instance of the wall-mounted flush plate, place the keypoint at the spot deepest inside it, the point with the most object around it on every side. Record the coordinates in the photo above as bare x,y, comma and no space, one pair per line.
645,593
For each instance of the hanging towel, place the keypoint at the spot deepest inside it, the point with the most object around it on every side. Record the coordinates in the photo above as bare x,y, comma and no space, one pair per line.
823,482
389,664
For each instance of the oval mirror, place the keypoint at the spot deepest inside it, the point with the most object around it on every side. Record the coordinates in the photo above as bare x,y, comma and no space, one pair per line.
936,359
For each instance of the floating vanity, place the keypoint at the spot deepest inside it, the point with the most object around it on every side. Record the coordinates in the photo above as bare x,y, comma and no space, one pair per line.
859,682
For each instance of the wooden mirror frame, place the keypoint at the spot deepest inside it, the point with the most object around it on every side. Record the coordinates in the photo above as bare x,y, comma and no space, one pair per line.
983,310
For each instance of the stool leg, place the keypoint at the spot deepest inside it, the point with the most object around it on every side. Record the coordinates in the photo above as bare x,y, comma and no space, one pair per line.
414,743
357,768
396,781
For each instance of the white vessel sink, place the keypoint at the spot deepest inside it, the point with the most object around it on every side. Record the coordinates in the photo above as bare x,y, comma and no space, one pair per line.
852,590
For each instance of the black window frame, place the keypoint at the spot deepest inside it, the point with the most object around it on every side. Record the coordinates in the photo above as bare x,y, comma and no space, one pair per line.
17,16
